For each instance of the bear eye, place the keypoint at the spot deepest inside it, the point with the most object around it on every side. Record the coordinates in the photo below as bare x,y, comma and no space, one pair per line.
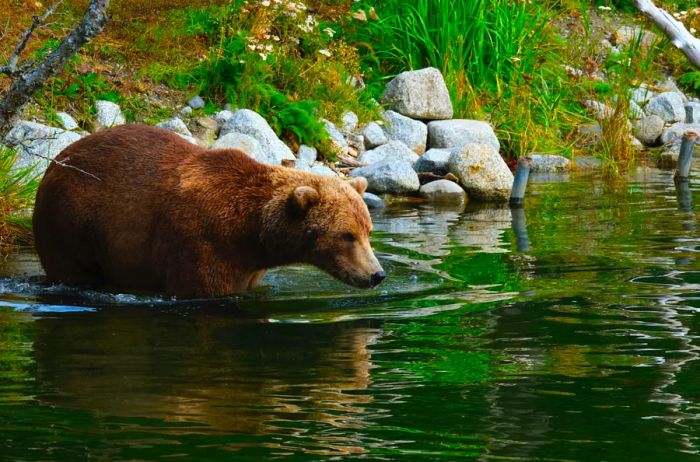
349,237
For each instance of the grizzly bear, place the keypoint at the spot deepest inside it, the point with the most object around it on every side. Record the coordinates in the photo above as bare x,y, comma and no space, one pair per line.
140,208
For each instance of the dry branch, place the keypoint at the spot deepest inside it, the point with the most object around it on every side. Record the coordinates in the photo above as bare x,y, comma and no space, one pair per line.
30,77
674,30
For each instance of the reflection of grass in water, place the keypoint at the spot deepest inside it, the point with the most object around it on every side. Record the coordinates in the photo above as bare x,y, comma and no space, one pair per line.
16,331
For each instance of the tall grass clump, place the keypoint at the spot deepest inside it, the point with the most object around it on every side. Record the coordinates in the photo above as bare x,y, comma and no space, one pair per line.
17,192
497,56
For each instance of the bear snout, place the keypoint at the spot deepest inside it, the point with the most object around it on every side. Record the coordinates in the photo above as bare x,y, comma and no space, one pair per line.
377,278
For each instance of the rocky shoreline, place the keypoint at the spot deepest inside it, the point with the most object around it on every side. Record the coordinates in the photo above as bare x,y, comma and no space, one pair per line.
416,149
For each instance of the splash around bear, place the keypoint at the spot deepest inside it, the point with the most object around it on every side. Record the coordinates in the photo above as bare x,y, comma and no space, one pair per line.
139,208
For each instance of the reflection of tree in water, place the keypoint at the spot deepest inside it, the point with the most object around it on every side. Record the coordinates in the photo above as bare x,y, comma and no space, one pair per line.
231,377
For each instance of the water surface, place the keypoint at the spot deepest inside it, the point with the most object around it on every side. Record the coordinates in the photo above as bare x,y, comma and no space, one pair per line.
563,332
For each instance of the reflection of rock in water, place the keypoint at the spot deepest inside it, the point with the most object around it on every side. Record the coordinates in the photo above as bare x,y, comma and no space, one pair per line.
433,231
230,377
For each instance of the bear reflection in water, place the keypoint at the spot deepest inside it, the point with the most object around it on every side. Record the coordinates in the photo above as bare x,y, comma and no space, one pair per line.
219,373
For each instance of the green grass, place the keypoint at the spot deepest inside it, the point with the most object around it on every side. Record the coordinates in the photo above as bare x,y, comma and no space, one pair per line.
17,192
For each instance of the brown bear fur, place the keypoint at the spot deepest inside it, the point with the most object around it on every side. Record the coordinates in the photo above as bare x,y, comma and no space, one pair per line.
140,208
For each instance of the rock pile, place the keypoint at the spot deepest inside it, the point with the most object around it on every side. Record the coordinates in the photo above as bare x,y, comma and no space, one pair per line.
416,148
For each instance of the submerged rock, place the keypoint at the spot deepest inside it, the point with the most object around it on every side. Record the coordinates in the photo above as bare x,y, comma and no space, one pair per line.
412,133
461,132
443,191
373,201
419,94
548,163
251,123
389,176
482,172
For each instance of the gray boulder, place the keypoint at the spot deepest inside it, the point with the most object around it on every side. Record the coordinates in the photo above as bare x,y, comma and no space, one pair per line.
393,150
649,129
251,123
435,161
349,122
374,135
67,122
668,159
548,163
482,172
443,191
301,164
307,153
245,143
673,134
692,113
461,132
669,106
338,142
627,35
175,125
373,201
389,176
598,110
419,94
189,138
108,114
413,133
36,144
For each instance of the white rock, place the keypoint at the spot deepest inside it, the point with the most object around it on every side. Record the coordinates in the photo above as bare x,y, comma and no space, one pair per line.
374,135
443,191
669,106
189,138
36,144
186,110
461,132
251,123
307,153
349,122
393,150
419,94
413,133
222,117
67,121
175,125
108,114
301,164
320,169
245,143
641,95
389,176
196,102
482,172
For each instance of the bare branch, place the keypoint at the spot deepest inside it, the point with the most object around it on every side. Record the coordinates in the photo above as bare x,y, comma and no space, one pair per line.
27,83
674,30
19,48
26,145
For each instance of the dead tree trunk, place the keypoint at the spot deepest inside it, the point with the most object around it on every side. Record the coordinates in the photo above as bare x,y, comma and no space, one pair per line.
674,30
30,77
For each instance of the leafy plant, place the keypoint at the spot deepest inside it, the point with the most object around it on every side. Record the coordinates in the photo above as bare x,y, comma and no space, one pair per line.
17,191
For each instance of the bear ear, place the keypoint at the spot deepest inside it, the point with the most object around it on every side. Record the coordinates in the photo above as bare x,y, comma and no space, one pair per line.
304,197
359,184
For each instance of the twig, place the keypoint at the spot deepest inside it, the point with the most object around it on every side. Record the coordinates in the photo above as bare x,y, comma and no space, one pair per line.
25,144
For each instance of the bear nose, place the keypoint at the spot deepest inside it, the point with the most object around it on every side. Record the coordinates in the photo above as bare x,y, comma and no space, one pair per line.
377,277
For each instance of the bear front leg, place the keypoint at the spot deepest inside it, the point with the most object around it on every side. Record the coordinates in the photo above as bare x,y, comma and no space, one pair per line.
255,279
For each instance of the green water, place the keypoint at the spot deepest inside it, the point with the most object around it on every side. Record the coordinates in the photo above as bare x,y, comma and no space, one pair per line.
579,344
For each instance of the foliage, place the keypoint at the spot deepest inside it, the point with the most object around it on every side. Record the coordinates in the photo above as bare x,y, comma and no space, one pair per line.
17,191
